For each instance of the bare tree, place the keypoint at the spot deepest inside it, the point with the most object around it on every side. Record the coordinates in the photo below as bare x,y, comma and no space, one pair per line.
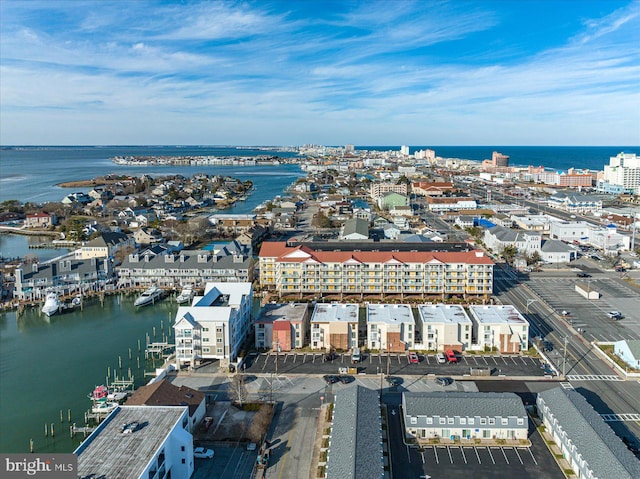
237,390
260,423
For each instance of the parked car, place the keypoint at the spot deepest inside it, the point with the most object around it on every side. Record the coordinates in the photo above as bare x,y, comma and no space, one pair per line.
548,346
344,379
413,358
583,275
444,381
330,379
440,358
451,356
393,380
565,313
252,446
203,453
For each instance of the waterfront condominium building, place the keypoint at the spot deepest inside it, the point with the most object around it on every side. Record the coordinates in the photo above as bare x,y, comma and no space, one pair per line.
215,325
622,171
390,327
282,327
398,269
334,326
379,189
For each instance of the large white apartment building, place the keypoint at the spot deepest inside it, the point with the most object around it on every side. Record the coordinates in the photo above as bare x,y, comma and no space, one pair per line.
444,326
623,170
501,327
215,325
607,239
348,268
390,327
334,326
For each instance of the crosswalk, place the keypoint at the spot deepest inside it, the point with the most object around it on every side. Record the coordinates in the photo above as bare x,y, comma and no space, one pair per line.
633,417
567,386
593,377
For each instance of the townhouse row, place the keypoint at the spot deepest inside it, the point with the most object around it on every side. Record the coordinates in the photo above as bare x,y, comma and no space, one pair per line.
392,327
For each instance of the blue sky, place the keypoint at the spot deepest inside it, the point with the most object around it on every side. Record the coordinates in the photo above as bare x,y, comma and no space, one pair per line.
294,72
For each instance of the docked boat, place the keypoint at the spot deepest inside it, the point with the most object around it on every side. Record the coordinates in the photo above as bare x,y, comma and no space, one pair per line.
51,304
104,407
185,296
150,296
99,393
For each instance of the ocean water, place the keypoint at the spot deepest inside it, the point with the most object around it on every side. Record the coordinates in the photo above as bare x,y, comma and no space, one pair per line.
552,157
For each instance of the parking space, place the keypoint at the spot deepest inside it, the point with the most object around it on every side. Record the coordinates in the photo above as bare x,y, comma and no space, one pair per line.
590,317
227,463
478,455
394,364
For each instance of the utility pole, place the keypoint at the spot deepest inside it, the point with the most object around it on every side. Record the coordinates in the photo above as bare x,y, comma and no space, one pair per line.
564,361
388,358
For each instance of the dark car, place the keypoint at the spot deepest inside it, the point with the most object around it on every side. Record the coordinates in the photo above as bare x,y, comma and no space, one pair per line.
548,346
330,356
583,275
344,379
329,379
394,380
444,381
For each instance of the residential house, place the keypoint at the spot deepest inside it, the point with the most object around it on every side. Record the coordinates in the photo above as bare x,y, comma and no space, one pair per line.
40,220
434,188
392,200
138,442
215,325
164,393
106,245
554,251
499,327
282,327
464,416
444,326
147,236
355,229
334,326
390,327
526,242
588,444
391,231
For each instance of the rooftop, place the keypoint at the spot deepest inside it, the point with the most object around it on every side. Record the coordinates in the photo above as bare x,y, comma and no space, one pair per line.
443,313
465,404
389,313
496,314
293,312
325,313
109,453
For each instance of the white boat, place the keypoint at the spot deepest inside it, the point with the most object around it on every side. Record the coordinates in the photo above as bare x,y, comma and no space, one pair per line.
104,407
185,296
51,304
150,296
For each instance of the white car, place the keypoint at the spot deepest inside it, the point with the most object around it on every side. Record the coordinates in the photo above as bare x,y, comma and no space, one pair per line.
614,314
440,358
203,453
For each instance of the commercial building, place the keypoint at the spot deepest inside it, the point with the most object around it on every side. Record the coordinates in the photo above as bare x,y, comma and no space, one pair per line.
215,325
499,327
282,326
355,442
589,445
464,416
156,444
623,171
450,203
390,327
444,326
334,326
374,269
576,203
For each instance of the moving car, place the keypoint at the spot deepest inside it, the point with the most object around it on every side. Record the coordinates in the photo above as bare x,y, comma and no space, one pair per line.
583,275
548,346
203,453
413,358
393,380
444,381
615,314
440,358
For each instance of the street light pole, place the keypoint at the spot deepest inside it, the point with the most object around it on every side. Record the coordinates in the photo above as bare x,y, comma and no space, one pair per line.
529,303
388,358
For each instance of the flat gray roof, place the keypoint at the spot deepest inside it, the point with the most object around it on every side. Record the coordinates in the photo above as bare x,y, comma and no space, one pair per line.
443,313
389,313
293,312
110,454
324,313
495,314
464,404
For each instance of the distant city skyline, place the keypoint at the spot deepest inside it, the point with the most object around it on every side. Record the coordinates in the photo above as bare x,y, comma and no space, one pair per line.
333,73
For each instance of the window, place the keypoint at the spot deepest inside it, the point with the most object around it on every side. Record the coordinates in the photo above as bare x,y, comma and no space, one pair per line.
463,420
505,421
429,420
414,420
492,420
206,350
483,420
520,421
486,434
182,448
471,421
449,420
442,420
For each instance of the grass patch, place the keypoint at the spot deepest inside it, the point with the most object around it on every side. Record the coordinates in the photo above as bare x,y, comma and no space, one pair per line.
327,431
322,471
569,472
323,456
325,442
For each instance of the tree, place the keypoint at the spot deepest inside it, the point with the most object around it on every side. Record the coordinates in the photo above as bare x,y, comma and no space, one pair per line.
509,252
237,390
534,258
322,221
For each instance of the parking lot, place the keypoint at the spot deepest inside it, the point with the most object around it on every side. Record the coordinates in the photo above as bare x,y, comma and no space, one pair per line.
461,461
394,364
227,463
590,316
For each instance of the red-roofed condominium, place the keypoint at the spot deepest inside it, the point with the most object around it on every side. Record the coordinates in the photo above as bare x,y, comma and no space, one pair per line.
343,269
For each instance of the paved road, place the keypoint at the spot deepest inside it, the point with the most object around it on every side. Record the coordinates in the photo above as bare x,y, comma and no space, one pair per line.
605,395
